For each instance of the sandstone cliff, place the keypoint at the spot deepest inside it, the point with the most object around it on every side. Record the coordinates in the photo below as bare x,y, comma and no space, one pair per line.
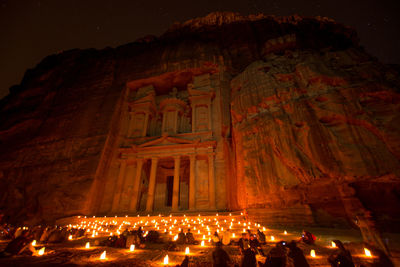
314,121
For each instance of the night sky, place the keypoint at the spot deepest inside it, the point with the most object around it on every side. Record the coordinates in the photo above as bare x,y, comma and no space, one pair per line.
31,30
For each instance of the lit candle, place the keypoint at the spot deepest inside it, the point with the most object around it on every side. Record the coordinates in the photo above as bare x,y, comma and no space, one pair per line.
272,238
233,235
87,245
312,253
333,244
367,252
70,237
166,260
187,251
103,255
285,232
34,243
132,248
41,251
202,243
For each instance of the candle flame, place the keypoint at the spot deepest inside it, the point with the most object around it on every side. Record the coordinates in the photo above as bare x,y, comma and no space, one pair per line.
312,253
166,260
285,232
87,245
41,251
233,235
333,244
187,251
272,238
34,243
70,237
103,255
367,252
202,243
132,248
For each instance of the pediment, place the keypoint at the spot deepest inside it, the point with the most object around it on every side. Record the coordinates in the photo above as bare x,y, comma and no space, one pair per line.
167,141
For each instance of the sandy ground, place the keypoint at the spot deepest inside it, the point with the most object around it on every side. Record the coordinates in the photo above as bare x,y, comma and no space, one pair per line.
73,253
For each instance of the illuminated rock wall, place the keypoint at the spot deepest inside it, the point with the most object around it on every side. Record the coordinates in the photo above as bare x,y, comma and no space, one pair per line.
306,123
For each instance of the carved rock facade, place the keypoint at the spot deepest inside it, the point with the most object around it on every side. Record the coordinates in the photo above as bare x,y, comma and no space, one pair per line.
284,116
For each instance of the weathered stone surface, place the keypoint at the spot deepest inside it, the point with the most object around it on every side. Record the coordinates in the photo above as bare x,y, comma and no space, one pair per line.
307,122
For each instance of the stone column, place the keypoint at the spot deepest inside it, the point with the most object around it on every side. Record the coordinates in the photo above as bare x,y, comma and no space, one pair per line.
175,190
192,183
211,182
193,118
152,185
209,116
136,186
118,186
146,124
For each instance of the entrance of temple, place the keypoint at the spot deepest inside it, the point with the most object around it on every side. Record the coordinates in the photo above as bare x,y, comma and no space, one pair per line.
170,185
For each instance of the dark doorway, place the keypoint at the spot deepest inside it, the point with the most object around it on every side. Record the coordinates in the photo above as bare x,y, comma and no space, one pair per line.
170,186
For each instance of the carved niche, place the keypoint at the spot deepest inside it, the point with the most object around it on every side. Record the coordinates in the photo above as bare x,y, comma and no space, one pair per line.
141,110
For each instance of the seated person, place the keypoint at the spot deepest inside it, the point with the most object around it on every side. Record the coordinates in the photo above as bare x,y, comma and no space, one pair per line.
297,255
308,238
255,245
220,257
226,237
261,236
276,256
20,244
244,243
153,236
341,256
249,258
181,238
190,238
216,238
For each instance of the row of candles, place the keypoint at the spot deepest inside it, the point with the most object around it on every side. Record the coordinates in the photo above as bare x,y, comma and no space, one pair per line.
199,224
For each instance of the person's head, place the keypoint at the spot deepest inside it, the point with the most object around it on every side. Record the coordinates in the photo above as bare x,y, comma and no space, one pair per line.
292,244
251,237
339,244
218,245
258,230
215,233
188,230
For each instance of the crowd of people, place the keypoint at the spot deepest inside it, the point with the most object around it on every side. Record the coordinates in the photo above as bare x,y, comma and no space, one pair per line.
281,254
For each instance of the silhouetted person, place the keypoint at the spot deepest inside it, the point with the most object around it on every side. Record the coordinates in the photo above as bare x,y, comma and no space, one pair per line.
255,245
249,258
181,238
20,244
190,238
216,238
297,255
261,236
243,243
308,238
220,257
276,257
341,257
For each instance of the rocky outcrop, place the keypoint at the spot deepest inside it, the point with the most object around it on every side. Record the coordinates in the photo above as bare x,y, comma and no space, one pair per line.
313,127
306,124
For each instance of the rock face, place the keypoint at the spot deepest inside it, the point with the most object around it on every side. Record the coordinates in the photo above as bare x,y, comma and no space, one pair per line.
312,133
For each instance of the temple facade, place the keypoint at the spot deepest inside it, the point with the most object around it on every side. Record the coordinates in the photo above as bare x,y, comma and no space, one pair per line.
170,154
